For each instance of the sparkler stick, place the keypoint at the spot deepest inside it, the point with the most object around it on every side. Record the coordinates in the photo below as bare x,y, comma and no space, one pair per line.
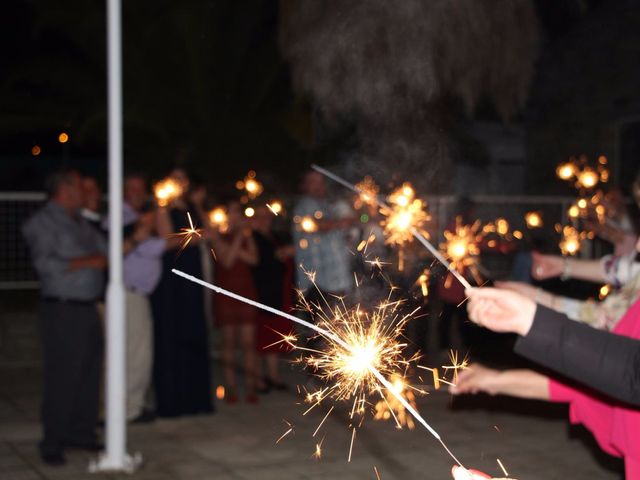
418,236
326,334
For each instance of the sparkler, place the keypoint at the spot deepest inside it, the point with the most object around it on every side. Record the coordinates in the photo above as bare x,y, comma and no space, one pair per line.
418,236
307,224
404,216
359,355
252,186
462,250
571,240
218,218
533,219
166,191
367,193
188,234
276,207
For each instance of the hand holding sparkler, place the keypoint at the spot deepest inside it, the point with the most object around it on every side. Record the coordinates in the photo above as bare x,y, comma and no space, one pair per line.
501,311
461,473
546,266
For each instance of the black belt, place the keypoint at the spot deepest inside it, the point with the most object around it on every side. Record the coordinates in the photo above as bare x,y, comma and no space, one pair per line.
68,301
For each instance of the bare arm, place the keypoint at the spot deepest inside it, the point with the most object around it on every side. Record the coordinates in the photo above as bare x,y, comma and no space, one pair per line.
549,266
516,383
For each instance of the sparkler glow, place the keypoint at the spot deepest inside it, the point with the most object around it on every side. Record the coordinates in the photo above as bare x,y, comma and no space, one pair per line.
218,218
571,240
462,250
533,219
276,207
252,186
362,350
166,191
418,236
308,224
403,216
188,234
367,193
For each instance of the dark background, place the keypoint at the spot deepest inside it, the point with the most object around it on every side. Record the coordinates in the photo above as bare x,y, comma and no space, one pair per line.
206,86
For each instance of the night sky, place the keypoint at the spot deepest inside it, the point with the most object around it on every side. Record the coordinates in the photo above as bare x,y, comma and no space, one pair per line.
205,86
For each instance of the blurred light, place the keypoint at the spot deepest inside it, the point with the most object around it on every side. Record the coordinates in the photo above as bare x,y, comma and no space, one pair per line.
308,225
249,212
220,392
533,219
318,215
566,171
275,207
604,291
36,150
588,178
63,137
364,218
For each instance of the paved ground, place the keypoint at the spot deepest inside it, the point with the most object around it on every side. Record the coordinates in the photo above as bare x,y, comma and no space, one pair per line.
239,442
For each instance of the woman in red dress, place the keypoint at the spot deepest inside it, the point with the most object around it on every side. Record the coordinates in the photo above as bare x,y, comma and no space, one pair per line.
236,253
273,276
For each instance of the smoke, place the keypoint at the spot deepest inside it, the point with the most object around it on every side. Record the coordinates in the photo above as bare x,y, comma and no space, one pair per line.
388,66
386,60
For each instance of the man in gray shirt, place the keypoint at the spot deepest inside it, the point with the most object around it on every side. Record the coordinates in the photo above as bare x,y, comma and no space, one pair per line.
69,256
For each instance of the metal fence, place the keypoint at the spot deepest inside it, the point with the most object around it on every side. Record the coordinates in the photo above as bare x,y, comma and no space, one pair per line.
16,272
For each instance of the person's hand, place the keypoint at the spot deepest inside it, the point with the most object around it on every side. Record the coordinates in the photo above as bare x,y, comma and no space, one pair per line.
546,266
501,310
475,378
522,288
461,473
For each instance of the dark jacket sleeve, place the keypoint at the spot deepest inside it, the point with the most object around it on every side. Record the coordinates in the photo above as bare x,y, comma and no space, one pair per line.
604,361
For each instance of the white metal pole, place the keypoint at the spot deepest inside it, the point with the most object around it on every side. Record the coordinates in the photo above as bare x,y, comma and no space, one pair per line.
115,458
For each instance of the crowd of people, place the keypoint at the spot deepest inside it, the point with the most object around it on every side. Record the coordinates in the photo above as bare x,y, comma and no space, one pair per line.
168,352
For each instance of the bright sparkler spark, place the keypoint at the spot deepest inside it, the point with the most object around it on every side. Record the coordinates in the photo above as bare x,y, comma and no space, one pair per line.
362,350
188,234
455,365
389,407
571,240
462,250
308,224
218,218
367,193
404,215
533,219
275,207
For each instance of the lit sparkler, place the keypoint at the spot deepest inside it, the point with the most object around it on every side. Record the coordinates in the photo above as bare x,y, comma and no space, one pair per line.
276,207
417,234
218,218
307,224
362,350
571,240
533,219
367,193
166,191
462,250
389,407
404,215
188,234
250,185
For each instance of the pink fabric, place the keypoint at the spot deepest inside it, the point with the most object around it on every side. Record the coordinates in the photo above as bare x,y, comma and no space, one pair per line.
615,428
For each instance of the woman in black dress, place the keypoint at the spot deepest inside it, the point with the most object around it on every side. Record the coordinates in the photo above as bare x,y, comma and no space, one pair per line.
181,371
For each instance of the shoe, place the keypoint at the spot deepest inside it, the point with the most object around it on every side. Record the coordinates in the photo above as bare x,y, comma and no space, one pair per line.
252,398
54,458
147,416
